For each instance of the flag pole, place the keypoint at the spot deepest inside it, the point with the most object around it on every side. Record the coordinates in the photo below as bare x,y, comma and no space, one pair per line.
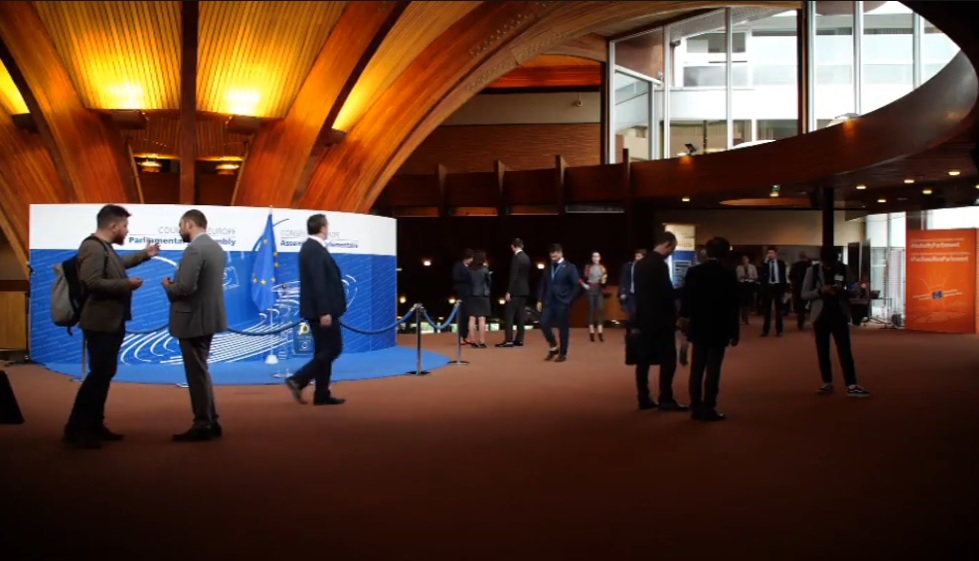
271,358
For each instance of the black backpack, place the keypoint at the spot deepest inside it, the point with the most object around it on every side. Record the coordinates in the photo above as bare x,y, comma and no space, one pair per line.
67,294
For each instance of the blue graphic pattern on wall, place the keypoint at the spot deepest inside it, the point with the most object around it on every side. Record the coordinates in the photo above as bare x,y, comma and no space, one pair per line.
370,280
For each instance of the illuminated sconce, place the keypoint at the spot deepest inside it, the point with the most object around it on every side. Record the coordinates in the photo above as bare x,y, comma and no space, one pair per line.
954,172
541,265
426,263
452,300
861,187
685,199
926,191
502,301
773,194
909,181
150,166
402,300
881,201
227,168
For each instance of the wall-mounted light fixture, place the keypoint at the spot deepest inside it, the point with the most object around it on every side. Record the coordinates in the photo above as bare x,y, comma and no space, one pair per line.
426,263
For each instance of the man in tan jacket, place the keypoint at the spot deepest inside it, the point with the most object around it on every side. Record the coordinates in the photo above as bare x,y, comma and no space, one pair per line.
108,294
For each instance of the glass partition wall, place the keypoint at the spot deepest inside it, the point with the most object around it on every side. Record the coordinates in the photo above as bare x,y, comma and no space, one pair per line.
729,77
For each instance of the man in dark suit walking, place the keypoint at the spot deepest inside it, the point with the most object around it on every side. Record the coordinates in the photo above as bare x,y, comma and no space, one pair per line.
627,287
108,294
516,297
774,285
710,317
655,324
197,312
322,302
557,291
462,284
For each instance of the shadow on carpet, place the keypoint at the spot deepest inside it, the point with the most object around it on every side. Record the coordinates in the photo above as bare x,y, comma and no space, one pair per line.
393,361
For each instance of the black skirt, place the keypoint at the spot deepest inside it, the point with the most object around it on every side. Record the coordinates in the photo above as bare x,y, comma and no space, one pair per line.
478,306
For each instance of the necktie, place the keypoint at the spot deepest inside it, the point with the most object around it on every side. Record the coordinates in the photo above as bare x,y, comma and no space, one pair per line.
553,271
774,274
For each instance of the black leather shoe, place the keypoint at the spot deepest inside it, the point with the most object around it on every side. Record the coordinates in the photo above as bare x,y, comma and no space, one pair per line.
551,353
645,405
82,440
708,415
518,343
561,358
106,435
297,392
504,345
671,405
196,434
216,430
329,401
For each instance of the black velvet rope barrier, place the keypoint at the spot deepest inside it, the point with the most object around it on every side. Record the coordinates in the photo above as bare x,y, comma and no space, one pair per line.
293,325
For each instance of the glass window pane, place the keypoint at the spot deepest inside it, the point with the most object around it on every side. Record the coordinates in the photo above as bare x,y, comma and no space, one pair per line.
631,98
887,54
698,51
833,94
937,50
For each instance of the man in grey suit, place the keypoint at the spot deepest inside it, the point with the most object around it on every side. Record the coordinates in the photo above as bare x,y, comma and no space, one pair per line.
196,313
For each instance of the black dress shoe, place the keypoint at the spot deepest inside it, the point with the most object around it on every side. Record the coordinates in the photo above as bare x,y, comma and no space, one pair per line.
216,430
518,343
297,392
645,405
561,358
195,434
708,415
105,435
672,405
504,345
82,440
551,353
329,401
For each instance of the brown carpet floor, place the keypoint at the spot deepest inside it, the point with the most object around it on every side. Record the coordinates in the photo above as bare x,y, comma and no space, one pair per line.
513,458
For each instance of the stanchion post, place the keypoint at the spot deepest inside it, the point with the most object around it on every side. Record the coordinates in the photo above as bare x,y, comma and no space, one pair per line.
458,359
419,312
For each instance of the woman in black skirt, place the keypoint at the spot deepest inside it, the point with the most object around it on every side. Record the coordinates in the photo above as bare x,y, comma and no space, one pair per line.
478,306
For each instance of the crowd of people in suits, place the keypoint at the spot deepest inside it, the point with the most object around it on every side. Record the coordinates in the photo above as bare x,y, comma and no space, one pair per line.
197,313
707,310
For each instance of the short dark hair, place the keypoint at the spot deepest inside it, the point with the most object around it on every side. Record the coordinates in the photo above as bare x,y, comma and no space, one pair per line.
555,247
195,216
467,254
828,254
109,215
665,237
717,248
315,224
517,242
640,252
773,248
479,260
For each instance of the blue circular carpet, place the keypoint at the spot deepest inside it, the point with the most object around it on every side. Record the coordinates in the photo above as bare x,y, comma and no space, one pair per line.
392,361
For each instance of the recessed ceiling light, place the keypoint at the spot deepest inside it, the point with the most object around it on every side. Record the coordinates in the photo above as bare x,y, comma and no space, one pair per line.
909,181
773,195
685,199
954,172
926,191
861,187
881,200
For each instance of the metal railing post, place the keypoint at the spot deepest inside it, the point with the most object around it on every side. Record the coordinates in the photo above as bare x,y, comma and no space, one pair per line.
458,359
419,312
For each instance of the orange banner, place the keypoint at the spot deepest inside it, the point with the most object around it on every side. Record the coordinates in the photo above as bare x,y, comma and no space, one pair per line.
940,294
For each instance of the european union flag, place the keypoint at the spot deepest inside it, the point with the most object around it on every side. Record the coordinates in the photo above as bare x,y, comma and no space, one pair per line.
263,271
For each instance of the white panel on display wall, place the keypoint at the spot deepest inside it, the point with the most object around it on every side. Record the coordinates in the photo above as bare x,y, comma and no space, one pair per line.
685,255
364,247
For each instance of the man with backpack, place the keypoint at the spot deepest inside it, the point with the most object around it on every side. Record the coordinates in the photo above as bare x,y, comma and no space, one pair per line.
106,293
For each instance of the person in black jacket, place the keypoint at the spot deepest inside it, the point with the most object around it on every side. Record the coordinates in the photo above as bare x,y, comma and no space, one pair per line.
557,292
654,324
462,284
774,282
710,317
516,296
322,302
627,289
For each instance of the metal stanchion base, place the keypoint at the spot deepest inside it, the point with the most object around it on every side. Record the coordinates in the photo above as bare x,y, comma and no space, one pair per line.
459,362
76,379
417,373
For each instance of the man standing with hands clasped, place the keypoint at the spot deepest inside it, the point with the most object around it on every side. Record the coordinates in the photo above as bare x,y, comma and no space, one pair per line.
322,302
197,312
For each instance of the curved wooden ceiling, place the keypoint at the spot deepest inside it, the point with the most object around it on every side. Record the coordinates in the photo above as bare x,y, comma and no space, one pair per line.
385,73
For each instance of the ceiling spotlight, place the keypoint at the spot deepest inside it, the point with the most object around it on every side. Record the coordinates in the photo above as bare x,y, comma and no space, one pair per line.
881,200
685,199
773,194
954,172
540,266
402,300
861,187
926,191
427,263
909,181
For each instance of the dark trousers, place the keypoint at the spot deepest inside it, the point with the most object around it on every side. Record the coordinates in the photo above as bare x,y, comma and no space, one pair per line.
88,412
195,352
327,346
665,351
839,330
799,306
773,297
462,321
515,314
705,375
556,315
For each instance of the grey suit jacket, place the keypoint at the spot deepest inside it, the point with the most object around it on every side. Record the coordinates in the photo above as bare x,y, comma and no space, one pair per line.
811,291
197,293
108,294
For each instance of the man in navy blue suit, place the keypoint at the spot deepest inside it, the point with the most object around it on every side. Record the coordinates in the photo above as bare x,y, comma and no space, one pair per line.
557,291
322,302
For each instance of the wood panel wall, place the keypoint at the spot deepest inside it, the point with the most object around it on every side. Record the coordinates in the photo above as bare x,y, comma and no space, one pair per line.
164,188
13,321
519,147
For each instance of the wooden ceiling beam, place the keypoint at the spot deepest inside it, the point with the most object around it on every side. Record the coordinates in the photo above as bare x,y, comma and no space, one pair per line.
88,153
279,155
